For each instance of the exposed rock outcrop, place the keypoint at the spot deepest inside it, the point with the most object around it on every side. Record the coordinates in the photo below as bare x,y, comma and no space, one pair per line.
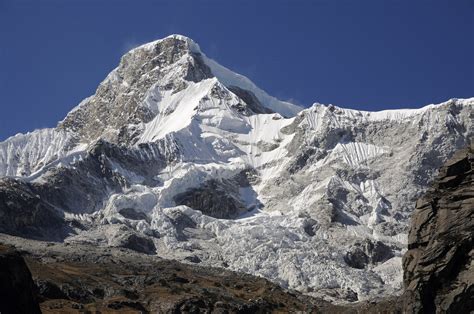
373,252
16,285
136,242
214,198
438,266
24,213
252,102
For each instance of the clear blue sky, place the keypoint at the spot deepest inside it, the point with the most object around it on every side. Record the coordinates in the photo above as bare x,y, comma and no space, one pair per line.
369,55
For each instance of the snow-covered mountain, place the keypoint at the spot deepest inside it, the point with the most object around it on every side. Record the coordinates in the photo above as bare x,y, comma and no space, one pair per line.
179,156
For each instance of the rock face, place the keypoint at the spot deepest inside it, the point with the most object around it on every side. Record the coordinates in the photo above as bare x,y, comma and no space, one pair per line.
438,266
16,285
219,199
23,213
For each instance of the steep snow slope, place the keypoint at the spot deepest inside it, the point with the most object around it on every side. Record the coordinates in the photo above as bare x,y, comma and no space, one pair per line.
23,154
230,78
179,152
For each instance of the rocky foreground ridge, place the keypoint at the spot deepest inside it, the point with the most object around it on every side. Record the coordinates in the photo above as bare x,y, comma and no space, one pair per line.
85,279
439,263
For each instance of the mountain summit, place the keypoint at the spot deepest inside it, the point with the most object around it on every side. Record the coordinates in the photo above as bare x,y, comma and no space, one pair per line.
153,78
178,156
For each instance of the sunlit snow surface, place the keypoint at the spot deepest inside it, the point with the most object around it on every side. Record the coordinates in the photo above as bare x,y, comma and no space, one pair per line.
349,175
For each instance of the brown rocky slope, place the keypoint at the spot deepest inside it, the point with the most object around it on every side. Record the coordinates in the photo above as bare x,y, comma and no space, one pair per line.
75,278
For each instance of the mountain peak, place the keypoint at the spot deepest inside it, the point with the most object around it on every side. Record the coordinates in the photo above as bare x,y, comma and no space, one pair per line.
190,44
149,76
226,76
173,147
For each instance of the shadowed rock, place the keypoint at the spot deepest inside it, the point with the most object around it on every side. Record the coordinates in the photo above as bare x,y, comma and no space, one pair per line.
214,198
16,285
251,102
367,252
24,213
438,266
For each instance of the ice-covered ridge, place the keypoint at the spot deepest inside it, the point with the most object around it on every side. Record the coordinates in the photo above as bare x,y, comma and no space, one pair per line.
230,78
396,114
23,154
392,114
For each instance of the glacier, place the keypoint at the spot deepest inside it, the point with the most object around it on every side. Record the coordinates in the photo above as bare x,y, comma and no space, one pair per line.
199,161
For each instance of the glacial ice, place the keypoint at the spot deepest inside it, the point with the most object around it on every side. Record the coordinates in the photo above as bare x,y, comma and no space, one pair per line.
324,178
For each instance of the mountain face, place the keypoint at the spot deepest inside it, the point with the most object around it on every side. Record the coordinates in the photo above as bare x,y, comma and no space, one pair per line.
438,266
176,155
